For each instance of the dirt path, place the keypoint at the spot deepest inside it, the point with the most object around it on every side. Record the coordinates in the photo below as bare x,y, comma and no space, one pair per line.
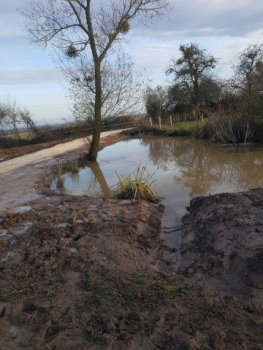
22,179
46,154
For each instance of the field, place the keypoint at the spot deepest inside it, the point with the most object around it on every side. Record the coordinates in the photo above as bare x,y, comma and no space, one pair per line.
178,128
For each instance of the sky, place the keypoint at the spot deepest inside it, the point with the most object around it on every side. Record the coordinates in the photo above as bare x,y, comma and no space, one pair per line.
29,75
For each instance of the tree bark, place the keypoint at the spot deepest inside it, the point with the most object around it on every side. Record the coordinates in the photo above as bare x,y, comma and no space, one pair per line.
94,148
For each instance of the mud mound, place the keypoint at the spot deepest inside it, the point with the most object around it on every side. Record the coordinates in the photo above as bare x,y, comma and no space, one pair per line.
223,243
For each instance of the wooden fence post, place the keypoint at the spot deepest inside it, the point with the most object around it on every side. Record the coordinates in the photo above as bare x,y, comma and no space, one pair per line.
160,122
171,121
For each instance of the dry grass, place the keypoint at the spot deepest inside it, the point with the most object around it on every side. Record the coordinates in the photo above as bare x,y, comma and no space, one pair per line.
60,179
6,296
225,128
73,166
138,187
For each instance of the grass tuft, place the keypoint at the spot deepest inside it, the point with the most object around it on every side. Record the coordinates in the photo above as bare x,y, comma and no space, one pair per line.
60,179
60,182
6,296
73,166
138,187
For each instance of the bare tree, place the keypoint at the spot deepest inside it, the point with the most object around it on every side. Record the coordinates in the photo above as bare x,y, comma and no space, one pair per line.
121,87
155,102
191,70
88,25
249,62
13,118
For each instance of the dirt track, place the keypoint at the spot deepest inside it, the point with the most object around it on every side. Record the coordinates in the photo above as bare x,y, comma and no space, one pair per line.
46,154
22,179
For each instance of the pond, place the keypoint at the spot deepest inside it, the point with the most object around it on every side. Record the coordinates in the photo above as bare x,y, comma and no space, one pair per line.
181,167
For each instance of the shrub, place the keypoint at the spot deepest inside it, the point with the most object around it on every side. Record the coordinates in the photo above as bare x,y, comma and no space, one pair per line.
138,187
73,166
230,128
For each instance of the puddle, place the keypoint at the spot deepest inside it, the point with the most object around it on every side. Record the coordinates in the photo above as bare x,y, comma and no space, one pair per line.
22,228
182,168
22,210
3,233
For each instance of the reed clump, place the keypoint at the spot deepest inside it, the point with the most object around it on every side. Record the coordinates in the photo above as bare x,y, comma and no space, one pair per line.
137,187
60,179
73,166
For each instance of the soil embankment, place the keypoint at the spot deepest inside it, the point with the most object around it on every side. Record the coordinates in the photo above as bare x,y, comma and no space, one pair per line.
222,243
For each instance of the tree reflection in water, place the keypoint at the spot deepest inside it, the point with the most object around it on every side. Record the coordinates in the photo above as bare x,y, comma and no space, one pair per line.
203,168
99,177
178,164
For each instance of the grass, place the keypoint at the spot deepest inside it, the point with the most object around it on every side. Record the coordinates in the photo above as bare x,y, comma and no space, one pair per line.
185,125
178,129
73,166
138,188
23,135
6,296
251,307
60,179
95,291
161,288
60,182
135,292
148,293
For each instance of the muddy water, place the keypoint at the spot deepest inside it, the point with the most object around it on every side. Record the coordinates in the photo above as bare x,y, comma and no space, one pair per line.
182,168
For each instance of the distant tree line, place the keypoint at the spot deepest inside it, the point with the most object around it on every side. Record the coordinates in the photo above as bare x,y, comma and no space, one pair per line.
234,107
196,88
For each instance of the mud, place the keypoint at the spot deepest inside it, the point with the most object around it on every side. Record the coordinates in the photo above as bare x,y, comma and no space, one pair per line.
222,243
85,275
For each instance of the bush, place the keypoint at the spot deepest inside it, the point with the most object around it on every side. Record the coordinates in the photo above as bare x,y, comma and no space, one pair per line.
137,188
256,127
9,142
230,128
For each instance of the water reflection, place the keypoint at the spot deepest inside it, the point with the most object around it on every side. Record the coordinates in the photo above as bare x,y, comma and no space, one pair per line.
99,177
206,168
182,168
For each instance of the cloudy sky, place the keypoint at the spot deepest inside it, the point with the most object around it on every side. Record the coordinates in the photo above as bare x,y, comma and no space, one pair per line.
29,75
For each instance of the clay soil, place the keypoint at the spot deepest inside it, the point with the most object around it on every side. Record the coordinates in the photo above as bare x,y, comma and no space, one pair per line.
91,273
222,243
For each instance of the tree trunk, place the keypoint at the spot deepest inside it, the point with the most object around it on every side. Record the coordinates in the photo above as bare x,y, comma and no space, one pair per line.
94,148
